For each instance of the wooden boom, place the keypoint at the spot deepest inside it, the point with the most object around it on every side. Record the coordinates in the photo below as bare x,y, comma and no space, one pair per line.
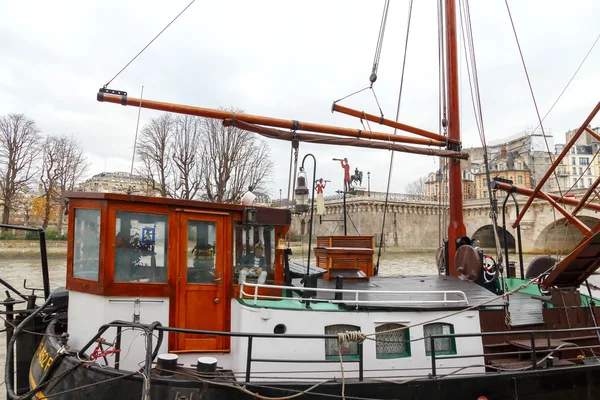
324,139
256,119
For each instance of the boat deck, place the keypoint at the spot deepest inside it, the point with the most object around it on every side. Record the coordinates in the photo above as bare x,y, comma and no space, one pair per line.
406,292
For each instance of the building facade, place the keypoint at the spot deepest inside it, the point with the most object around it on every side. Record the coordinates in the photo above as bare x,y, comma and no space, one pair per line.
506,165
436,186
118,182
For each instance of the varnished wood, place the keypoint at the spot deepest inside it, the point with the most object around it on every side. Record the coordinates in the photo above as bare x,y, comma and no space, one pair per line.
435,138
456,226
354,141
196,301
252,119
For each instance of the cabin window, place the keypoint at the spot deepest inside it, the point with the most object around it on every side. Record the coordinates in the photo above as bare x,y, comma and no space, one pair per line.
201,246
391,342
86,249
349,350
141,247
254,253
443,346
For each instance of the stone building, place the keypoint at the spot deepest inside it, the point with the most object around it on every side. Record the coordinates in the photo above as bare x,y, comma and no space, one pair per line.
580,168
437,185
507,165
530,146
118,182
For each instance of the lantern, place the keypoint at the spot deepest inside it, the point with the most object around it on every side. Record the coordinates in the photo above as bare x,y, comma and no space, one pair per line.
301,193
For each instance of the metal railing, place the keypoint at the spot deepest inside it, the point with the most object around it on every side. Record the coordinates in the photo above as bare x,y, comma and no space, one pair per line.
445,295
533,351
152,351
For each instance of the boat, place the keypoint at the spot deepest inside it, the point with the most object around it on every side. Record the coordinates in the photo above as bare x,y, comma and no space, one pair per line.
183,299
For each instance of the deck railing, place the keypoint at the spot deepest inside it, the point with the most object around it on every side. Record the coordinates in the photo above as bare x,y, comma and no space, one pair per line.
443,297
152,350
532,351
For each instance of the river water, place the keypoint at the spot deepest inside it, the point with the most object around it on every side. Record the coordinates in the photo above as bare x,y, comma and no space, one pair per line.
16,270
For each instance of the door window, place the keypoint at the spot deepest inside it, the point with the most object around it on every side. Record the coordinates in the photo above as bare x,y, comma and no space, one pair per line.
201,252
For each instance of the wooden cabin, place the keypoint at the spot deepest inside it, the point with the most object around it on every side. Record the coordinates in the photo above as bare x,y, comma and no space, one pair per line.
175,261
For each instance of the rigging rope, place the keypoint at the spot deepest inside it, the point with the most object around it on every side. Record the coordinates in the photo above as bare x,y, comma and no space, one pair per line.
379,46
541,125
149,43
387,192
465,18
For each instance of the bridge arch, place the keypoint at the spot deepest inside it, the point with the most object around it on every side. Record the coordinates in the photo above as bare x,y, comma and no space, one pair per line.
485,235
561,237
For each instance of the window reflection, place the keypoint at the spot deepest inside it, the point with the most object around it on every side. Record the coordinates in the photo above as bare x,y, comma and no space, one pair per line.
86,254
141,247
201,245
254,253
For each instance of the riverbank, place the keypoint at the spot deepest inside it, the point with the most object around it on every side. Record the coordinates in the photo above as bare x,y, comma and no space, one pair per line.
31,248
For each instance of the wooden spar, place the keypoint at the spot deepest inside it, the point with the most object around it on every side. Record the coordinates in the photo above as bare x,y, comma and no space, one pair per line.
255,119
586,196
388,122
556,163
529,192
456,226
593,133
332,140
574,220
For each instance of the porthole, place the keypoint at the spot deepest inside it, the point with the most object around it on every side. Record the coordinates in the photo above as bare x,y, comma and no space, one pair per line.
279,329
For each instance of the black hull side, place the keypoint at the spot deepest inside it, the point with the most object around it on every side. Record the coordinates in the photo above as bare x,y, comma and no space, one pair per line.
79,381
582,383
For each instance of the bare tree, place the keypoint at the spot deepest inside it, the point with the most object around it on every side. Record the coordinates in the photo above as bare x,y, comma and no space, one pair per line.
63,165
154,145
19,147
233,161
417,187
72,167
49,176
187,169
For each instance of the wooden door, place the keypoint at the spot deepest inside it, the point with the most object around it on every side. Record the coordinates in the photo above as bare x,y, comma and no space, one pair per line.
201,290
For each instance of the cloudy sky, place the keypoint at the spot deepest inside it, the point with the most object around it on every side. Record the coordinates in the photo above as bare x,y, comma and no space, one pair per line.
288,59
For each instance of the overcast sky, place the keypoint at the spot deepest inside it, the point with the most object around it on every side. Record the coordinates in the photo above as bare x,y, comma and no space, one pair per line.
289,59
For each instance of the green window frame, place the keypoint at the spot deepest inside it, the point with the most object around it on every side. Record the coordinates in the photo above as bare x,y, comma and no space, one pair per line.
349,349
395,344
443,346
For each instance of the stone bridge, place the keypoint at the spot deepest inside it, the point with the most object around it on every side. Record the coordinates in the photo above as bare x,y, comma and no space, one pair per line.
412,222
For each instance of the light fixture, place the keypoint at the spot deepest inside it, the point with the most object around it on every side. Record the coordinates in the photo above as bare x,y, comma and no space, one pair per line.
280,244
250,215
301,193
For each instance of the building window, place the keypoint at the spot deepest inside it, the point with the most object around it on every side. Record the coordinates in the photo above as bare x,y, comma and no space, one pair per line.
589,181
520,179
86,249
141,247
573,160
443,346
394,344
589,171
349,350
583,161
485,194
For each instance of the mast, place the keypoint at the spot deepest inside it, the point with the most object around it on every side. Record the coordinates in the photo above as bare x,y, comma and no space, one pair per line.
456,226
